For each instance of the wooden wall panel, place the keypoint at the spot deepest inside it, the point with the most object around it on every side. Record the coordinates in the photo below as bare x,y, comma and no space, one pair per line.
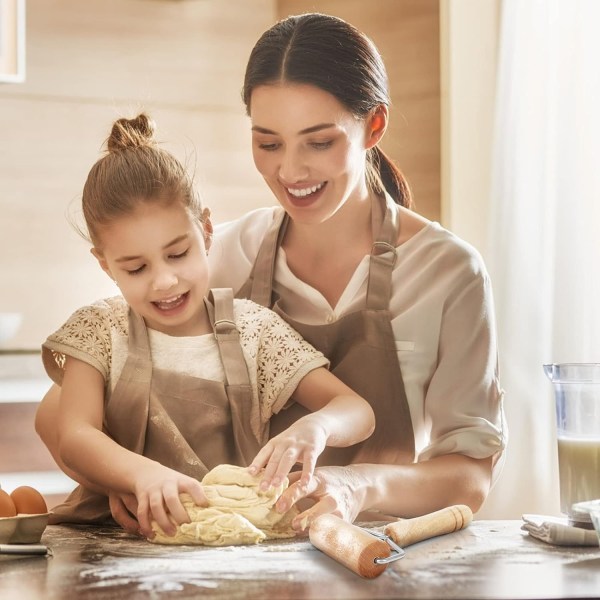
406,33
87,64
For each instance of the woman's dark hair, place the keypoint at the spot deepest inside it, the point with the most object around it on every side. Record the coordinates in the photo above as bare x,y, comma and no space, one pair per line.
331,54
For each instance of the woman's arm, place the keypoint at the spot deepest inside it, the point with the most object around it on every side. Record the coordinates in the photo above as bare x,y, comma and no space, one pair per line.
46,418
339,418
87,451
398,490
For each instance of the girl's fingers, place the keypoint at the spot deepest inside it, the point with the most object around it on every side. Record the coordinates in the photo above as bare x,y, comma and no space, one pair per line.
288,459
175,507
159,514
143,517
194,489
279,465
261,459
308,467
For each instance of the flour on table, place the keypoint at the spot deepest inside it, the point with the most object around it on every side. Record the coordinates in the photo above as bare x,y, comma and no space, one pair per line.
237,512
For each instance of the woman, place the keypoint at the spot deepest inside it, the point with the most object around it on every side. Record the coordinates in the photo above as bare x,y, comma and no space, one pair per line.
401,307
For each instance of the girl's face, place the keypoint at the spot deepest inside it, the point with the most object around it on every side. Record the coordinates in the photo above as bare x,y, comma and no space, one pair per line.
309,148
157,256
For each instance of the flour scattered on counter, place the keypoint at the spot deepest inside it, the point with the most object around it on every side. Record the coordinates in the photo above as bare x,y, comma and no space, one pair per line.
204,568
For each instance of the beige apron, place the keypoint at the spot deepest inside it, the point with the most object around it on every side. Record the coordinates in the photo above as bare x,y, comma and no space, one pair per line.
360,346
183,422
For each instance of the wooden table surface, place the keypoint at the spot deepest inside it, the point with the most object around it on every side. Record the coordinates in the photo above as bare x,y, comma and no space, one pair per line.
488,560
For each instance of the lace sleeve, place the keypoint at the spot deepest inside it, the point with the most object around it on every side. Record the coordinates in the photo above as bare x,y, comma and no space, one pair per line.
282,356
86,335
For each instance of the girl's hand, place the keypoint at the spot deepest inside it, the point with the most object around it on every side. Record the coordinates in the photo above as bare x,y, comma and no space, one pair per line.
302,442
157,490
335,490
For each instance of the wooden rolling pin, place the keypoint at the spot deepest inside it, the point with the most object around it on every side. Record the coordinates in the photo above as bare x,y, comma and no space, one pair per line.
409,531
350,545
357,549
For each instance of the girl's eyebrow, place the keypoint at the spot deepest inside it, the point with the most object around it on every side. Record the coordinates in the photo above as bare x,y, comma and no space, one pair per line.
178,239
312,129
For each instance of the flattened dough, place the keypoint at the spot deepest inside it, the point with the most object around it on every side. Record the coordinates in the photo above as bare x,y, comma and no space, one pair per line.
237,513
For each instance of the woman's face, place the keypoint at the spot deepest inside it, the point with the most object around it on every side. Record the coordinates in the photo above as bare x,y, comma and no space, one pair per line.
157,257
309,148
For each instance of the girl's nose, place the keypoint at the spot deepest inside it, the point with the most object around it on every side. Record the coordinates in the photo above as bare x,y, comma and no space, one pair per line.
292,168
165,279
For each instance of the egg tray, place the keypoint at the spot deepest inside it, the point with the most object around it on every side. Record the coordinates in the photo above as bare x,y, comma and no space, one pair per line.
23,529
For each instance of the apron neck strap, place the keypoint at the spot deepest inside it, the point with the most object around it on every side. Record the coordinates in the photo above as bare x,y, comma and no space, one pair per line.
263,270
383,258
228,337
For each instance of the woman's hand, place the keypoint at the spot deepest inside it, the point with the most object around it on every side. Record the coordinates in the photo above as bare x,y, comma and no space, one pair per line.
336,490
123,508
302,442
156,489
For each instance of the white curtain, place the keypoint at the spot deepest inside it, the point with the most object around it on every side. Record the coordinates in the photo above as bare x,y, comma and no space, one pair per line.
544,254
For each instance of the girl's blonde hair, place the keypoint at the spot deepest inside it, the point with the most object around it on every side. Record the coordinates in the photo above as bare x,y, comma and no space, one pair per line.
134,170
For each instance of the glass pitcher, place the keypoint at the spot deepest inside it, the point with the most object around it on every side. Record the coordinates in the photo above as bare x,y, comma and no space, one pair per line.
577,398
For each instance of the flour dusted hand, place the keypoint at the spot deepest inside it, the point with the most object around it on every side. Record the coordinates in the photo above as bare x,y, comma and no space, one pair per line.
238,512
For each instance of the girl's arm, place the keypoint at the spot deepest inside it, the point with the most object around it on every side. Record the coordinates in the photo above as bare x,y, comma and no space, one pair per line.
339,418
87,451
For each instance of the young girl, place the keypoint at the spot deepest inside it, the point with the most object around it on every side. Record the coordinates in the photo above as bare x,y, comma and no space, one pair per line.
168,380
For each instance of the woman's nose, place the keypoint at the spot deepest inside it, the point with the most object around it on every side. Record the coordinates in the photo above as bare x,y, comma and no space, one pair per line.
292,168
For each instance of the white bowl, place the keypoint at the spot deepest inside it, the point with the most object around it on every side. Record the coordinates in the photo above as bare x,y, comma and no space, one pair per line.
9,325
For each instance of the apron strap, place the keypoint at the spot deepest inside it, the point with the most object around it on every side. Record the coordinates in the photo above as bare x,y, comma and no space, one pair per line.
260,287
383,258
228,337
237,378
127,418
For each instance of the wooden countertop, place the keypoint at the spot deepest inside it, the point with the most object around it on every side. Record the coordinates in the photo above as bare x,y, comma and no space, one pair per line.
488,560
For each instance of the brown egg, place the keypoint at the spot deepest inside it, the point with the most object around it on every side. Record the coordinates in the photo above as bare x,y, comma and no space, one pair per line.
28,501
7,506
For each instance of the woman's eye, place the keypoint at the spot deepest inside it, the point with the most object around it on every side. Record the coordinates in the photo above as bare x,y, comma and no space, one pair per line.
321,145
136,271
180,255
269,147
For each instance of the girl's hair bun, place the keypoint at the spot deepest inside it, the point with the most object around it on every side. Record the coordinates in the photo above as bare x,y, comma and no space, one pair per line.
131,133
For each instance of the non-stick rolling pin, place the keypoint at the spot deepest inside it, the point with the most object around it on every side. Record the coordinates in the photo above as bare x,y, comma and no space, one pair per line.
368,553
353,547
409,531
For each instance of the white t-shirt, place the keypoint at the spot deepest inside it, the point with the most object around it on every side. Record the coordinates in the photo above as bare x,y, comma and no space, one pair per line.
442,317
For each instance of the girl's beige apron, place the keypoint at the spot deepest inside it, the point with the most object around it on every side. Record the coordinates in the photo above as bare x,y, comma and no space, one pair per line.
185,423
360,346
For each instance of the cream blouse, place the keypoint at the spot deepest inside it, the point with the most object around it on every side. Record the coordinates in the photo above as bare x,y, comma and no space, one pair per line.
442,317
